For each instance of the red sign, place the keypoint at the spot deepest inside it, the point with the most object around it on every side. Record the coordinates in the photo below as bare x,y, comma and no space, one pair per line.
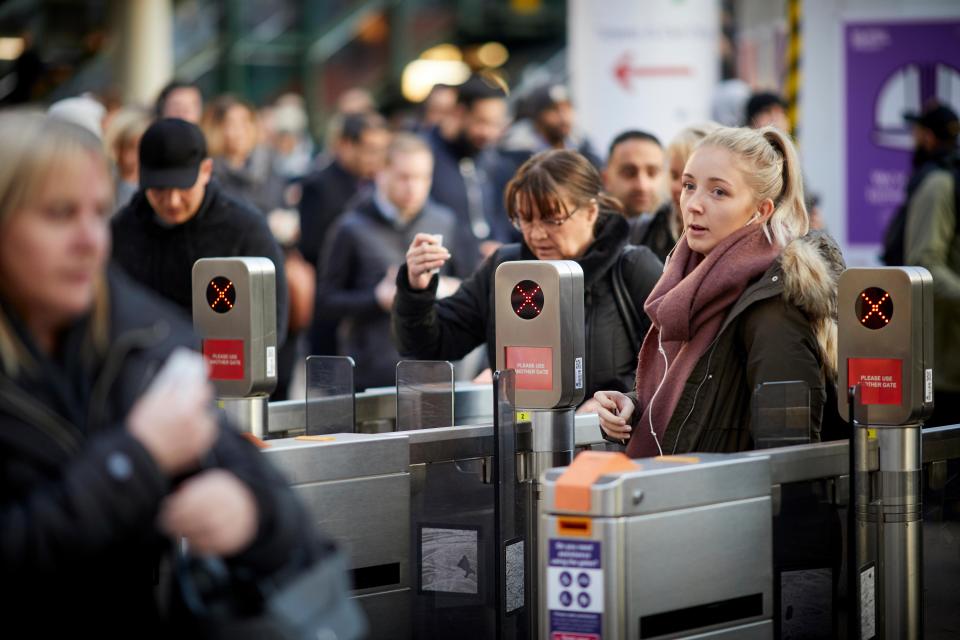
625,69
225,358
880,379
534,367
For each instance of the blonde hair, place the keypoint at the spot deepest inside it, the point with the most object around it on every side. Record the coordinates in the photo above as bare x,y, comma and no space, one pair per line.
129,124
36,147
771,168
681,147
684,142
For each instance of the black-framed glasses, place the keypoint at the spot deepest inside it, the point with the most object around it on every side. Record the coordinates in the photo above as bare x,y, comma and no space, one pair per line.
520,223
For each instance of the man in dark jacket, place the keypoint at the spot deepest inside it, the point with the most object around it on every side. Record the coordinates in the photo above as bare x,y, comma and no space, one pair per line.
466,165
359,154
364,249
448,329
180,215
636,176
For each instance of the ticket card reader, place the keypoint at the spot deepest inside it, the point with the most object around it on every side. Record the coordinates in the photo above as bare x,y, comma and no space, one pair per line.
885,348
235,314
540,335
885,340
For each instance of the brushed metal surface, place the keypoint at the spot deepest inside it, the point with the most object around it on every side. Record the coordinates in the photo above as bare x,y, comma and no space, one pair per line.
726,553
248,415
343,456
369,518
388,614
376,409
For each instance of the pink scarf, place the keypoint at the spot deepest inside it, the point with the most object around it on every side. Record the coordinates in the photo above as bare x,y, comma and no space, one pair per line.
687,308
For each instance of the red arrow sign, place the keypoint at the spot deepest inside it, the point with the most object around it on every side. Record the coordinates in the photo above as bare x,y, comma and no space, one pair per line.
624,70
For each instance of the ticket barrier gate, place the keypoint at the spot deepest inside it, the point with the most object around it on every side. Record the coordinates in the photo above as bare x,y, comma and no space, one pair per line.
357,488
423,554
666,547
448,478
681,569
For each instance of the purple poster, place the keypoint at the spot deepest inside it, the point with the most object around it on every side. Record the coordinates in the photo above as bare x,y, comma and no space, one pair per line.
891,68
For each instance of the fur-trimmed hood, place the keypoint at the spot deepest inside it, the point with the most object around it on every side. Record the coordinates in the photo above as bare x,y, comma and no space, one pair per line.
811,268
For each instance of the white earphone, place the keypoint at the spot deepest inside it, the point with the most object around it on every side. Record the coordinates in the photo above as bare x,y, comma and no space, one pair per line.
666,365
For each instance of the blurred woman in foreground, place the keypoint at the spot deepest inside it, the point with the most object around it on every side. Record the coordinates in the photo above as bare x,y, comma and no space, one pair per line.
103,464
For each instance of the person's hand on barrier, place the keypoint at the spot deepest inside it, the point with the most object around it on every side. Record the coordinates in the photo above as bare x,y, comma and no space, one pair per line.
614,410
424,257
590,406
174,419
214,511
386,290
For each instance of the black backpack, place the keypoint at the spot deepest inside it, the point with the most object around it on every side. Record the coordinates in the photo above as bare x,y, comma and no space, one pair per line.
894,237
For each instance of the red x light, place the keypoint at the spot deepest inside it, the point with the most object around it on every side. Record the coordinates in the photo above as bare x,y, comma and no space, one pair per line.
527,299
221,294
874,308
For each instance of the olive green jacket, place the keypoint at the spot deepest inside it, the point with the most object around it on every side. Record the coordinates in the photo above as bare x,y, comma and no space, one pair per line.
783,328
932,242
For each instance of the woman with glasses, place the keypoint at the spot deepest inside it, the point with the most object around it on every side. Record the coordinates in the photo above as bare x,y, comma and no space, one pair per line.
556,202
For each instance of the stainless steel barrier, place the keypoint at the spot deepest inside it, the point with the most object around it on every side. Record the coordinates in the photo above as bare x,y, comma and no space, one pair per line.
376,410
449,508
357,488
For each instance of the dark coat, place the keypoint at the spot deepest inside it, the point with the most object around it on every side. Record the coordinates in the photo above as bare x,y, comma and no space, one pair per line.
79,496
449,188
361,247
448,329
782,328
326,195
654,232
161,257
324,199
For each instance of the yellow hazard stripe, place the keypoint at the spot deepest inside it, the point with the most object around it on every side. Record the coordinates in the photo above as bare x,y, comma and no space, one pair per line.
793,74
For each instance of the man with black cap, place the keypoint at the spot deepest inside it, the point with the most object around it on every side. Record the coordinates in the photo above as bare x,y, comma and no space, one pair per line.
931,240
180,215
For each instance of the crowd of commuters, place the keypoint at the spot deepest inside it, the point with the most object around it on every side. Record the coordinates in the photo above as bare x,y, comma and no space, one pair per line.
359,225
706,274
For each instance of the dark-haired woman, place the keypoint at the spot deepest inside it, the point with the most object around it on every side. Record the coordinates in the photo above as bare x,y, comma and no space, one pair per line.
556,202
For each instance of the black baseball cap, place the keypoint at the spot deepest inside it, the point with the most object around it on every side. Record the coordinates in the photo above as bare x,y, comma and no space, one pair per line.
940,119
171,151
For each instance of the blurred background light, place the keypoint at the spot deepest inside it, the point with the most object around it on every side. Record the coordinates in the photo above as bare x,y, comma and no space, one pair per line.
11,48
419,76
492,55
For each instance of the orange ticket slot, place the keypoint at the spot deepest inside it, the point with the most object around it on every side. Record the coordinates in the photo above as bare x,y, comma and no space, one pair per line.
569,527
680,459
573,486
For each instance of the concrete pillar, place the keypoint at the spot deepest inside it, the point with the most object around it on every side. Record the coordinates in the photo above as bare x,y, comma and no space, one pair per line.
144,57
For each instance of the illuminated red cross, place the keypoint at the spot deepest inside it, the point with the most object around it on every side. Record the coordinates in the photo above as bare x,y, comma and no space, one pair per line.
221,294
528,298
875,307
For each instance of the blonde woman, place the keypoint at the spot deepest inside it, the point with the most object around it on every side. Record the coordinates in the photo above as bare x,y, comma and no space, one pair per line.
747,297
660,232
100,464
